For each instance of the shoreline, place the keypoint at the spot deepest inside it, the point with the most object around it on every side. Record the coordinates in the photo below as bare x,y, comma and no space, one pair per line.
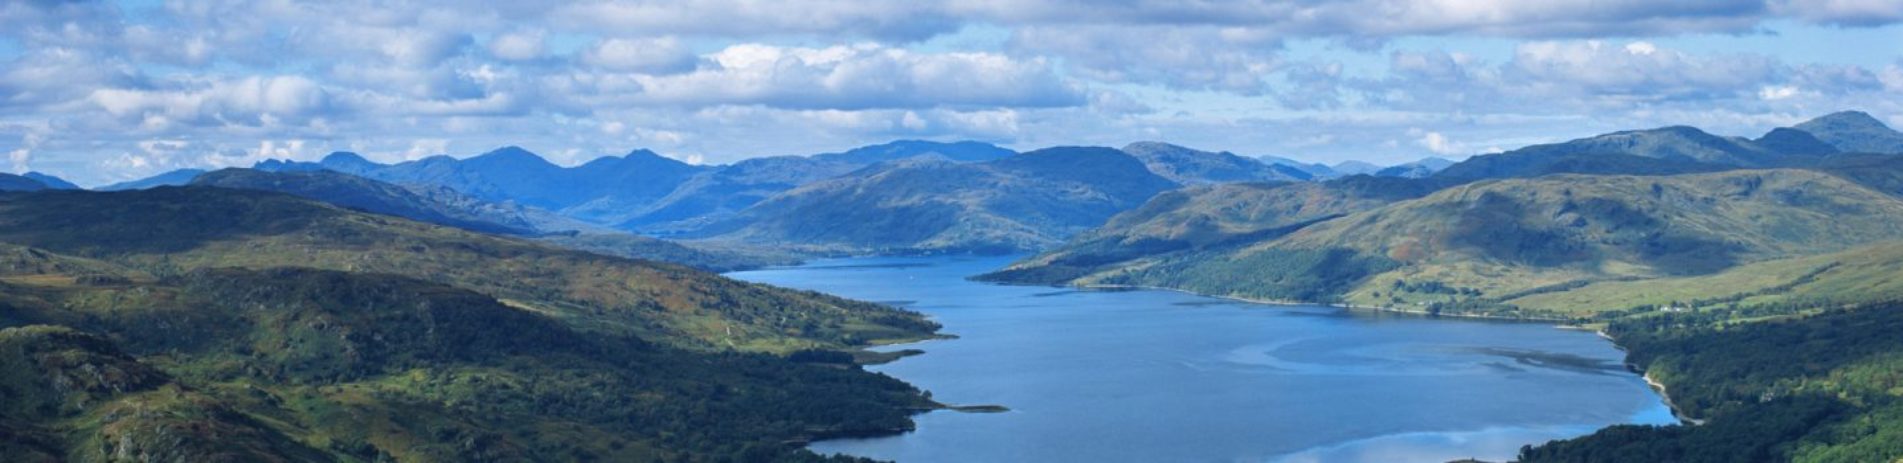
1369,308
1656,386
1557,322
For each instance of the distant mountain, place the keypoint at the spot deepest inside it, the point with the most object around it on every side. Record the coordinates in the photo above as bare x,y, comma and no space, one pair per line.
1210,216
10,182
447,208
173,178
1789,141
1315,170
1423,168
51,182
641,191
964,151
1664,151
1027,201
1488,245
1855,132
1193,167
1346,168
712,195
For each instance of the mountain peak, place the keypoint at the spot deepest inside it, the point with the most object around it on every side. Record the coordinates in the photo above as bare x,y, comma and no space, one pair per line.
1855,132
512,155
1846,119
345,157
51,181
961,151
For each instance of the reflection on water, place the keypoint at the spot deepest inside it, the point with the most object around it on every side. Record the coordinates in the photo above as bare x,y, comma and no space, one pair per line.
1162,376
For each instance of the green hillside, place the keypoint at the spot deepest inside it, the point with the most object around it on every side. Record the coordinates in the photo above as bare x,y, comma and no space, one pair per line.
1804,382
1198,218
315,365
170,231
1507,247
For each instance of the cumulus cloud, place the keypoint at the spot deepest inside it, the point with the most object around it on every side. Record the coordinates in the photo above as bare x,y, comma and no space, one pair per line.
861,77
663,55
248,101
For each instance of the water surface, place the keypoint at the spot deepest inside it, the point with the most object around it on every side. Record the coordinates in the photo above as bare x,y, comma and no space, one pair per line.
1154,376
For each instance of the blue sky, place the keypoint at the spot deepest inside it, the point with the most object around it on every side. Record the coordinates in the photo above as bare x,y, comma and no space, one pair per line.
101,91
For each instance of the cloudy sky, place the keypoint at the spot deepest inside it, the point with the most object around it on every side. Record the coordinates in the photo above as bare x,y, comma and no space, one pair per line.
107,91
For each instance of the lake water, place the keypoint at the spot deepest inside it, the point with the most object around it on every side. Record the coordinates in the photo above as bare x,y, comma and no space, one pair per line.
1155,376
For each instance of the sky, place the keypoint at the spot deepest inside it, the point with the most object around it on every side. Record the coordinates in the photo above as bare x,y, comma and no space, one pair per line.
99,92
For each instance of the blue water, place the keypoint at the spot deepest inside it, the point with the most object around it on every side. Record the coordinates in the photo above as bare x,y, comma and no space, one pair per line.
1153,376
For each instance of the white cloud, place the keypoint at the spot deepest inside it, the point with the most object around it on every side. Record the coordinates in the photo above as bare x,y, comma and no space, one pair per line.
1777,92
519,46
247,101
861,77
664,55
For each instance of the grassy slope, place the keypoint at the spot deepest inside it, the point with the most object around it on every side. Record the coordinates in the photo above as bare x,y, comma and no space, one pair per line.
1200,218
1522,241
310,365
173,230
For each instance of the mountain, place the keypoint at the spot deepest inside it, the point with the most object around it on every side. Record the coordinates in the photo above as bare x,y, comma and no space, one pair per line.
1423,168
964,151
1794,142
640,191
1488,245
1192,167
353,192
51,182
1347,168
169,230
1664,151
1203,217
1854,131
1023,202
713,195
173,178
717,193
10,182
1315,170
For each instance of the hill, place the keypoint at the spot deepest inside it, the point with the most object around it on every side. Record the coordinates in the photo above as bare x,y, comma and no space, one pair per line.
1028,201
315,365
1664,151
448,208
1202,217
168,231
1490,246
1192,167
1854,132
